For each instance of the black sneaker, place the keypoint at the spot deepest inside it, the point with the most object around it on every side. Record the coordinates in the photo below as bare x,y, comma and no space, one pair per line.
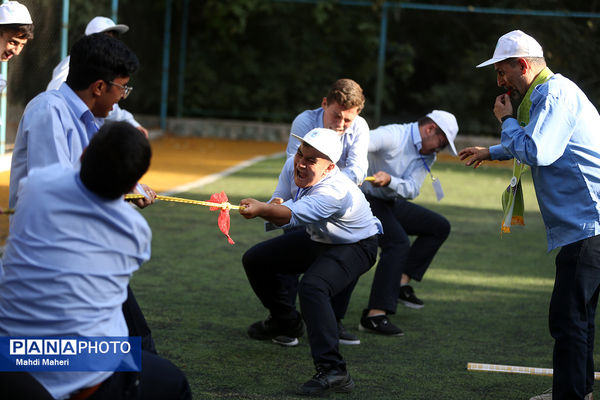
332,380
272,328
378,324
408,298
345,336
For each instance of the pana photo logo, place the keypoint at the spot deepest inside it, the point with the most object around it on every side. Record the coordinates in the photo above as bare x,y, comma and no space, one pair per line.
70,353
68,347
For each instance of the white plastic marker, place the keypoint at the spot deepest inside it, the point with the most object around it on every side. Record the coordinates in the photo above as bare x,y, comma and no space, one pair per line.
516,370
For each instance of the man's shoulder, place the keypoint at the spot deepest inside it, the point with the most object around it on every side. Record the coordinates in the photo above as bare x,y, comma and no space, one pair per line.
556,83
49,172
337,183
46,99
309,113
306,121
560,88
391,128
398,133
43,180
360,124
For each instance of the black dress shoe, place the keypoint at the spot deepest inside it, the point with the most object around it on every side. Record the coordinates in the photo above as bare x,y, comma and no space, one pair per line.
323,381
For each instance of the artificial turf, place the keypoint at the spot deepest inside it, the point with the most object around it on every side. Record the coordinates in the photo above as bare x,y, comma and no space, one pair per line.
486,300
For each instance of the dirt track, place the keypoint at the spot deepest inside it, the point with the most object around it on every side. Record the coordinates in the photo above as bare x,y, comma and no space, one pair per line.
177,161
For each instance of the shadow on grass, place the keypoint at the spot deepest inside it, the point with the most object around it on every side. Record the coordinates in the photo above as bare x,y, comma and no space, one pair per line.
486,301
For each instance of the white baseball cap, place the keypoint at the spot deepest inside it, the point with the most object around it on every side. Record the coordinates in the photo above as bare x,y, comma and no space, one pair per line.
103,24
13,12
514,44
447,123
326,141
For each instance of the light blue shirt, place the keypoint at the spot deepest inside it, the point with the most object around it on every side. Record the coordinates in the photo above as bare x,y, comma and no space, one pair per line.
561,144
355,142
333,211
66,266
395,149
55,128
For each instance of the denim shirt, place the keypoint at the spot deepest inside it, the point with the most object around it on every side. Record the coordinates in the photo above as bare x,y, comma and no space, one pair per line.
561,144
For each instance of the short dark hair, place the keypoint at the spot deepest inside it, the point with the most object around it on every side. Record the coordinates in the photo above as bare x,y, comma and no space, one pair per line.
99,57
21,31
116,158
426,120
536,62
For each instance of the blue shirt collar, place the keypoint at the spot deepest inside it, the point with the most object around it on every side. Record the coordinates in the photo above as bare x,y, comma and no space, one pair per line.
74,101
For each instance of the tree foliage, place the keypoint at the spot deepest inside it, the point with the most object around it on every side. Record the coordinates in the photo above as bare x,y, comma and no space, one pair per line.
270,60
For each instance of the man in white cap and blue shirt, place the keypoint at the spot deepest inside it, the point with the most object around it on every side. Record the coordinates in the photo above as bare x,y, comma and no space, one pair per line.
16,28
556,132
338,244
60,72
400,157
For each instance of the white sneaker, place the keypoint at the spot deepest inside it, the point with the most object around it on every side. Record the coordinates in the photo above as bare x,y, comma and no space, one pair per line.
547,395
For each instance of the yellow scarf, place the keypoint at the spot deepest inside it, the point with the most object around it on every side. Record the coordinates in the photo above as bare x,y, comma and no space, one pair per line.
512,197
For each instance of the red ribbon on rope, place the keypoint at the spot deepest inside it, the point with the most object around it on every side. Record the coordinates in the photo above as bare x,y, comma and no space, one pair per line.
224,220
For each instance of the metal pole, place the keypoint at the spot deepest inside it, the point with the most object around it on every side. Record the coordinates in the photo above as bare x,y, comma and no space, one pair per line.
4,75
115,10
381,63
64,31
165,67
182,58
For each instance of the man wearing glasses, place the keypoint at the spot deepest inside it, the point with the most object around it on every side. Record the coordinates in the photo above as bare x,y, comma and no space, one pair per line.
59,74
57,126
400,157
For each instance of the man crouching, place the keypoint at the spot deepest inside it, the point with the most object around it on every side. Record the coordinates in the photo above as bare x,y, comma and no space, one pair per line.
338,245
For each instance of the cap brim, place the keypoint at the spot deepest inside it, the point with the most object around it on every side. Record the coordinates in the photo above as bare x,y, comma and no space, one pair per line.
452,147
298,137
117,28
490,62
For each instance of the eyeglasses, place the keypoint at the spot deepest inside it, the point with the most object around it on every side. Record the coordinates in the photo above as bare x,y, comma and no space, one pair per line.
126,89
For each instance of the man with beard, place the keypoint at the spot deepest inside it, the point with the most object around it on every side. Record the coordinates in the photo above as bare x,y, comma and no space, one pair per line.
556,133
400,157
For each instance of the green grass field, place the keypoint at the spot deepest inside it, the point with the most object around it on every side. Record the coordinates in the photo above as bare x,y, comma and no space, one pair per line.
486,300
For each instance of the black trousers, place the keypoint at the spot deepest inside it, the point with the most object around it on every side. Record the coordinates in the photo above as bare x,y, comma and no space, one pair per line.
340,302
328,269
136,323
401,218
571,318
159,379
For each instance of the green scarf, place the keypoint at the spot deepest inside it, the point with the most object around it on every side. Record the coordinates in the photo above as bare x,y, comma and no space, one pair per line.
512,197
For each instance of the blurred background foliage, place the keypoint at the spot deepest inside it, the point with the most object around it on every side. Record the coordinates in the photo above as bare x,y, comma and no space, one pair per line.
269,60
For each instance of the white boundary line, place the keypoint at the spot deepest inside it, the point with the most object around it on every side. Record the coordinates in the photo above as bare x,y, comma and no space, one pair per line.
219,175
5,162
515,369
214,177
